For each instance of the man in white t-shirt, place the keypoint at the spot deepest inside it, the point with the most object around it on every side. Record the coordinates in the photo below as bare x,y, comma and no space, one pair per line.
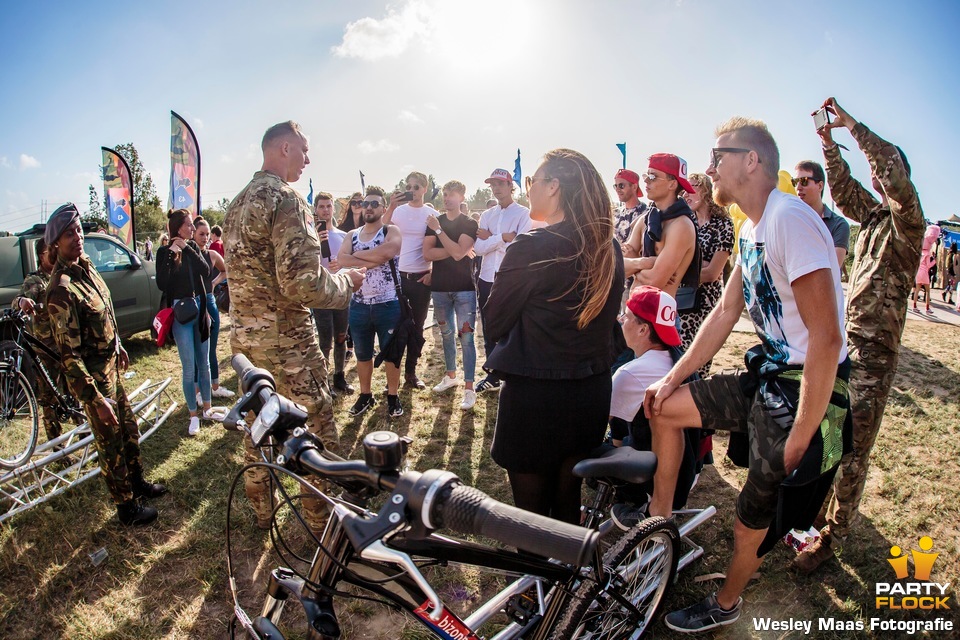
411,219
499,226
788,278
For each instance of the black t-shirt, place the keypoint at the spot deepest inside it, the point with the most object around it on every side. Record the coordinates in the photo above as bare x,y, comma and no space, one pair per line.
450,274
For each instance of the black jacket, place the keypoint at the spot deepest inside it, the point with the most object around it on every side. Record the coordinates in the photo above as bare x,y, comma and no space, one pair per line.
536,333
175,282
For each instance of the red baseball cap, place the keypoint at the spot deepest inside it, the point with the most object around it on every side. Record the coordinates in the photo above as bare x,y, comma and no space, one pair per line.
500,174
659,309
673,166
630,176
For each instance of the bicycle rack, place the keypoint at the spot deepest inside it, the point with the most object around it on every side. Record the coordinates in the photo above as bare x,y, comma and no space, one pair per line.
65,462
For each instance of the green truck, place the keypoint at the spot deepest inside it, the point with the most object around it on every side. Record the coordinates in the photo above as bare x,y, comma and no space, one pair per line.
132,281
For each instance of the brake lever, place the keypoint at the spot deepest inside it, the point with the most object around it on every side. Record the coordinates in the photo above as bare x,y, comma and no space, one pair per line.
378,551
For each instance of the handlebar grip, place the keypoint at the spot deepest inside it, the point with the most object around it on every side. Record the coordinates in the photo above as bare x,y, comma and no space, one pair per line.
241,364
468,510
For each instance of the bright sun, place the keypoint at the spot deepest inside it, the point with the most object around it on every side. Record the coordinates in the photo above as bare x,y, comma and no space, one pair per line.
480,36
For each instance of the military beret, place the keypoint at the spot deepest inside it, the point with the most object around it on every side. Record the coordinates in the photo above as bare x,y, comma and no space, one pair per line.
62,218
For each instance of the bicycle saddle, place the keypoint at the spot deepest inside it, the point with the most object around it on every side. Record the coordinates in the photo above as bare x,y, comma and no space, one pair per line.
622,463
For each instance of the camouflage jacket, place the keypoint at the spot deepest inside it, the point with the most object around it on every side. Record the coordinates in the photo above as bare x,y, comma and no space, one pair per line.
84,328
273,258
888,245
35,288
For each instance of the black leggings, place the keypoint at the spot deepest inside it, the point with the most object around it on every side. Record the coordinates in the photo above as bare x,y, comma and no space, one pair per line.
556,494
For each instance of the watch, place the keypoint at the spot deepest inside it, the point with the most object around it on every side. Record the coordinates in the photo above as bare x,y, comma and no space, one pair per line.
438,231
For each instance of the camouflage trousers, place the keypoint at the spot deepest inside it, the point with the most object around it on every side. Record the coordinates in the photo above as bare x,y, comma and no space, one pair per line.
51,423
303,380
118,447
871,377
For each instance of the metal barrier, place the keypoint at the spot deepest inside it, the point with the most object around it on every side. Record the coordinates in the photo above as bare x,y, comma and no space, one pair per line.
67,461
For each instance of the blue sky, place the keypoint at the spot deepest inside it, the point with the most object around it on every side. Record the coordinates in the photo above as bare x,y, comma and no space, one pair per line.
454,88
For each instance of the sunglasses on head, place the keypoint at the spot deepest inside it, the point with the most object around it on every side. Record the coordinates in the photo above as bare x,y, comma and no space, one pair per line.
372,204
802,182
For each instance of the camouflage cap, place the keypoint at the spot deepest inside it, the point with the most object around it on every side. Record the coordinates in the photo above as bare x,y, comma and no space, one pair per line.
62,218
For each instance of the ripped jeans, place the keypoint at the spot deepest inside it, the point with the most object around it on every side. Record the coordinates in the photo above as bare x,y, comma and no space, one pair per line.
456,313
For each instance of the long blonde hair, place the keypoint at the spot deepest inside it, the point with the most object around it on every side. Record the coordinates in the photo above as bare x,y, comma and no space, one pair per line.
586,203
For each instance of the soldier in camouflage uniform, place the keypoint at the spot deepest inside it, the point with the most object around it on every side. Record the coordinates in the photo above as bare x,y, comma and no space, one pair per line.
33,293
273,258
84,331
887,258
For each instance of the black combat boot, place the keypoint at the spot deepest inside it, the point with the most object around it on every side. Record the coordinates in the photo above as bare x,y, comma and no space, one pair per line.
133,513
340,384
144,489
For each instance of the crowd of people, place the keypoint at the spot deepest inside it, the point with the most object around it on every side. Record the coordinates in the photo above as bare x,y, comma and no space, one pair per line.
596,320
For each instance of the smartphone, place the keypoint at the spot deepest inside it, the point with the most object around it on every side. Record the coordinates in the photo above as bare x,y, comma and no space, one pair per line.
324,244
821,118
406,196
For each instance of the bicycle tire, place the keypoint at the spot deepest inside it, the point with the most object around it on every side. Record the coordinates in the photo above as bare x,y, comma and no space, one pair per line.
594,615
26,364
19,419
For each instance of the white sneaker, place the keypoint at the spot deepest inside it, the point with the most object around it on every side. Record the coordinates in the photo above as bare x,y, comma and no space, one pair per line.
215,413
469,399
194,427
446,383
199,399
222,392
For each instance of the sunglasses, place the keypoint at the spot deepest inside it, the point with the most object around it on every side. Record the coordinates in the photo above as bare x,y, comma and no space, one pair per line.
716,154
650,177
412,187
620,186
356,203
529,180
802,182
373,204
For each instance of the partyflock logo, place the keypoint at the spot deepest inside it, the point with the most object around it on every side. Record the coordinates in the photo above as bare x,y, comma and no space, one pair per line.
919,593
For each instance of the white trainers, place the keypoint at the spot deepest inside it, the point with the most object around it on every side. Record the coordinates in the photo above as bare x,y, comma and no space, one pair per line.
194,427
469,399
215,413
446,383
222,392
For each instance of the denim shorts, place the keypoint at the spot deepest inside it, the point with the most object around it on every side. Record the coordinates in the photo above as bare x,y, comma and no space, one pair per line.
369,319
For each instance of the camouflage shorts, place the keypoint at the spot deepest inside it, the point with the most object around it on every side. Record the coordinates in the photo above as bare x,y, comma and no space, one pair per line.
724,407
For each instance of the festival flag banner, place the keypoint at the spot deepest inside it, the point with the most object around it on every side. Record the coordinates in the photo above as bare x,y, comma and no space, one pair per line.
517,175
623,151
184,167
118,195
363,186
310,195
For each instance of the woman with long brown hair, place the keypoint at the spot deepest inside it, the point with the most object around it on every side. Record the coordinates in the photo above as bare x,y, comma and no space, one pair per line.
352,217
715,237
181,271
553,311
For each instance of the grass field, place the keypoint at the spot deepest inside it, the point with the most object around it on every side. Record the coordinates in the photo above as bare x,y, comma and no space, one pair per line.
169,580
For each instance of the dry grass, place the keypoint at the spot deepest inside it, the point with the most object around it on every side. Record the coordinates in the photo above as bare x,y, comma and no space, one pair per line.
169,580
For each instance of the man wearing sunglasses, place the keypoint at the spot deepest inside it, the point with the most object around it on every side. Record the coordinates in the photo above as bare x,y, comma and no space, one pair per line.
884,267
809,182
627,185
788,279
411,219
499,226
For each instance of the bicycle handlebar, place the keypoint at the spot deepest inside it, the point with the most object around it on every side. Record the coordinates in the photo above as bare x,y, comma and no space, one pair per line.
469,510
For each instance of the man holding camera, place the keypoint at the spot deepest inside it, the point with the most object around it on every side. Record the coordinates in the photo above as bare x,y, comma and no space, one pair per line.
887,258
407,211
331,323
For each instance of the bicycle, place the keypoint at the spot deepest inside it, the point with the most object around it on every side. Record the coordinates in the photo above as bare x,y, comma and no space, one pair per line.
570,589
21,369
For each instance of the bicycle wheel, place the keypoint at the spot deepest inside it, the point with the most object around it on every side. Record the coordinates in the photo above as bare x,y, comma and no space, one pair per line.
641,566
19,421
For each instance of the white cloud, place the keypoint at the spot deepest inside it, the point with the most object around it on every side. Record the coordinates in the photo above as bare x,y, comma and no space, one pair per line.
198,123
252,151
380,146
226,158
409,117
432,106
372,39
5,162
494,128
28,162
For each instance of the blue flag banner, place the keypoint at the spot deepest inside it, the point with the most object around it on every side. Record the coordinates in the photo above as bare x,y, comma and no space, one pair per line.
310,195
623,150
517,175
184,167
363,187
118,193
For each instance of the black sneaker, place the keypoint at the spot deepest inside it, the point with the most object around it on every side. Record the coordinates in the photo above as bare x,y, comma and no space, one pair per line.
706,614
132,513
364,402
627,516
488,385
394,408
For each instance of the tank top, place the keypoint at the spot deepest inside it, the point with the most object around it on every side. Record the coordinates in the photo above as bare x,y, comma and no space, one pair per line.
378,286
